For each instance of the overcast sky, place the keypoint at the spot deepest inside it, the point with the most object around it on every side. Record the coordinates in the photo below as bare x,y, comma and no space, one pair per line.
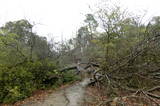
55,18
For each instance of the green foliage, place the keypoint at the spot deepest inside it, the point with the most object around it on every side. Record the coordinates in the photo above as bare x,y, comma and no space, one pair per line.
20,81
27,62
70,76
16,83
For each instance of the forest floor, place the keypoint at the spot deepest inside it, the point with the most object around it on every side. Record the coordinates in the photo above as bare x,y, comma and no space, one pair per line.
99,98
69,95
78,94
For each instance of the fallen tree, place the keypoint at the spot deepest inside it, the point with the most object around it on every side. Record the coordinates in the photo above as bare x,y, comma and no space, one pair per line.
134,73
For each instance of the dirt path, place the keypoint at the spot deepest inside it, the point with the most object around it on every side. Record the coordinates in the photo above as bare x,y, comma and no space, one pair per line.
71,96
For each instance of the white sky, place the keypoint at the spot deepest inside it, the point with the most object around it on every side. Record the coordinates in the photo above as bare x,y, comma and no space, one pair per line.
63,17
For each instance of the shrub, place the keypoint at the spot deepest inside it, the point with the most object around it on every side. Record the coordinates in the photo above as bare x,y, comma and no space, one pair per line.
19,82
70,76
16,83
